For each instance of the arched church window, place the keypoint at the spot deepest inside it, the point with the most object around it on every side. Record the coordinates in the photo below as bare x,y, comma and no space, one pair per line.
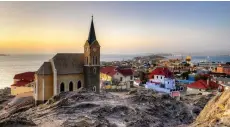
62,87
71,86
96,60
79,84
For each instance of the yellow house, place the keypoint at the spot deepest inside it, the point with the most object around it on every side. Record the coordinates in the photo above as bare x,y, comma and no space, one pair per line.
106,74
105,77
23,83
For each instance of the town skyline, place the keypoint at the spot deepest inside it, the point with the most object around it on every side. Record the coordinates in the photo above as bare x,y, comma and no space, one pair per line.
133,27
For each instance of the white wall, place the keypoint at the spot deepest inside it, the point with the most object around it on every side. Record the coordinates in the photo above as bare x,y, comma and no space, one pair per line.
124,78
159,78
169,83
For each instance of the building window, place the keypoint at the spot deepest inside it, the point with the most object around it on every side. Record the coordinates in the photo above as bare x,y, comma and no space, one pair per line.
79,84
95,60
131,77
94,70
168,82
157,77
94,88
71,86
120,78
161,77
62,87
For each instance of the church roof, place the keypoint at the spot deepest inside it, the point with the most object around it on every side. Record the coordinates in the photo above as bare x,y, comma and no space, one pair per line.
45,69
69,63
92,35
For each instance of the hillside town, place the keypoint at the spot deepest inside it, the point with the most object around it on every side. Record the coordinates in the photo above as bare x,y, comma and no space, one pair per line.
156,80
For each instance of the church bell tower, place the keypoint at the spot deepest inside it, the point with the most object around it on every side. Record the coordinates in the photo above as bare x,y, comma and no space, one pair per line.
92,61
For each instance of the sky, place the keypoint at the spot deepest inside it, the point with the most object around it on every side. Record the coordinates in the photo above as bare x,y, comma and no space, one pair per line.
121,27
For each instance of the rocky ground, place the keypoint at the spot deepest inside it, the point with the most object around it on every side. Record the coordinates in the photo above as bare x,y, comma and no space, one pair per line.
141,108
216,113
5,97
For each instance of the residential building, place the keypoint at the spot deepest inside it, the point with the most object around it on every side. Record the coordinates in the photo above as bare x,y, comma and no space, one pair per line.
121,75
226,70
161,79
202,86
70,71
106,74
23,83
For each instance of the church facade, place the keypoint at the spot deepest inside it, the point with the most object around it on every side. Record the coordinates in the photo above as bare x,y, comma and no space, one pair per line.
70,71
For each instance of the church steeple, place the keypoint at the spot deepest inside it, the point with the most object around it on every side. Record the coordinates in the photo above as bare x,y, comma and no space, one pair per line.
92,35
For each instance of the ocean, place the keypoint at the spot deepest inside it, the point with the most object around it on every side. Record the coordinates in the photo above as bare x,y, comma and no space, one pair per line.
13,64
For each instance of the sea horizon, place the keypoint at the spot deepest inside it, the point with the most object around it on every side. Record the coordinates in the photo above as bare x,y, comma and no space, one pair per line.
19,63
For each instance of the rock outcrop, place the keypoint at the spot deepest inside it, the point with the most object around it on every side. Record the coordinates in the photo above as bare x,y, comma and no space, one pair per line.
216,112
141,108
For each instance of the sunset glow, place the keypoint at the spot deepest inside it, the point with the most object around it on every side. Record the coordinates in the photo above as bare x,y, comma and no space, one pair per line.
133,27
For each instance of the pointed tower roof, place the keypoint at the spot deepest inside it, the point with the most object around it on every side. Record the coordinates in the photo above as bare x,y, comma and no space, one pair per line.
92,35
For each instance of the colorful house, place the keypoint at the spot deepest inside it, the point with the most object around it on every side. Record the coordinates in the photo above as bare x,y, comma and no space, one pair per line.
202,86
23,83
106,74
123,76
161,79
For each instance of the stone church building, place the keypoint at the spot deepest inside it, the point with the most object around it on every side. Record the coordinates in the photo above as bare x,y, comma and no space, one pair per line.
70,71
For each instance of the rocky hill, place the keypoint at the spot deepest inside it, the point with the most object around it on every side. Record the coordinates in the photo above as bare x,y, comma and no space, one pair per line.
142,108
216,112
5,97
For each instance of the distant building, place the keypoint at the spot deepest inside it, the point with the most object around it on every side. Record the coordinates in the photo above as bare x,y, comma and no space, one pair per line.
223,69
23,83
70,71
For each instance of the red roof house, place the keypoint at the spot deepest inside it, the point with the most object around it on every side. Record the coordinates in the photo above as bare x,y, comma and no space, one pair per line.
23,79
22,83
161,71
202,84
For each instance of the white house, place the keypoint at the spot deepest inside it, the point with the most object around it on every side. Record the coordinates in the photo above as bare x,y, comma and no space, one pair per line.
124,76
161,79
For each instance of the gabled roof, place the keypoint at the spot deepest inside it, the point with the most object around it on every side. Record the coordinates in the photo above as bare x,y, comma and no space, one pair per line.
29,76
69,63
161,71
125,71
109,70
45,69
202,84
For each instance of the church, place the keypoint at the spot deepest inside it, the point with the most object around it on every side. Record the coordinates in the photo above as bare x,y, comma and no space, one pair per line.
70,71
